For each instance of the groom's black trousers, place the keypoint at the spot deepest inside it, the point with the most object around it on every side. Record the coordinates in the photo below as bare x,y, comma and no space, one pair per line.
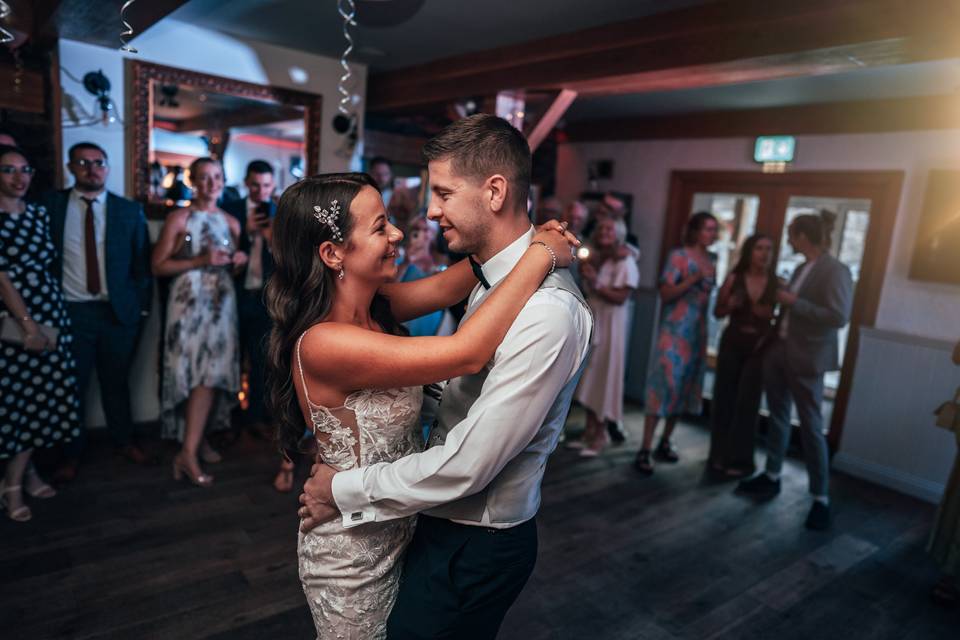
458,581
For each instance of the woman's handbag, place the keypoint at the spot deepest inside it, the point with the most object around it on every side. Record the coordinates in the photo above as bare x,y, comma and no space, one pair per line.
12,332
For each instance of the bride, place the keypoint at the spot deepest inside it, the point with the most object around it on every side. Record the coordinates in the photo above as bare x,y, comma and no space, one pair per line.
341,363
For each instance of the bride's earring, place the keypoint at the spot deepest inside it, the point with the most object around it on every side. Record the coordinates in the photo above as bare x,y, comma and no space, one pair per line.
340,275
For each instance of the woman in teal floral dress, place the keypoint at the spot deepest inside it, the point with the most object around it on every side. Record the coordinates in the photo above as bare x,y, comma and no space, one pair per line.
676,373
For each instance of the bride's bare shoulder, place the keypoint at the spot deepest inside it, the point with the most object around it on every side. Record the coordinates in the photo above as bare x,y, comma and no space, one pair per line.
326,344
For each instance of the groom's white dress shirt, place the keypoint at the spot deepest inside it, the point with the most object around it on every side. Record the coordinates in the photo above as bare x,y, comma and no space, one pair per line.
518,411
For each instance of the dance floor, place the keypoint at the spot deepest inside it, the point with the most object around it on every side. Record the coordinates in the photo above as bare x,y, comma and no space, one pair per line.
126,552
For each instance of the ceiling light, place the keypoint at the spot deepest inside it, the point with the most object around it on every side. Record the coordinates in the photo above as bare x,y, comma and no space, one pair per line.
298,75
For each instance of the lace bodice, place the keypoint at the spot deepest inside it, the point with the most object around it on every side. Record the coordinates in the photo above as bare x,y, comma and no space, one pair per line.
350,576
372,425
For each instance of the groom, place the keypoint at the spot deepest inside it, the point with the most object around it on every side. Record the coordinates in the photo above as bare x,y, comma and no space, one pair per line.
477,486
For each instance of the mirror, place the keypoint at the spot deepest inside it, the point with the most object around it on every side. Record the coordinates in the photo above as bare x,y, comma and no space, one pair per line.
180,115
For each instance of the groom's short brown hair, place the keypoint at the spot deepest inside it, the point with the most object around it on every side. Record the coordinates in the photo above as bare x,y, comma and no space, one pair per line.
482,145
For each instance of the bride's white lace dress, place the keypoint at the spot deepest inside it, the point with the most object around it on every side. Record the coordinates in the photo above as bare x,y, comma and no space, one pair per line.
350,576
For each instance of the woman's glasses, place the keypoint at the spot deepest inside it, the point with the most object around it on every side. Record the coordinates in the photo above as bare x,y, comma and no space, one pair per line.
9,170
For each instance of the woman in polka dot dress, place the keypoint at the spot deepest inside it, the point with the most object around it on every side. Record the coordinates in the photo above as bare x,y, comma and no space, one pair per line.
38,396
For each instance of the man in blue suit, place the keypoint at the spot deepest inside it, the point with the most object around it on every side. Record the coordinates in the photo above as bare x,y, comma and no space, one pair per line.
255,214
103,263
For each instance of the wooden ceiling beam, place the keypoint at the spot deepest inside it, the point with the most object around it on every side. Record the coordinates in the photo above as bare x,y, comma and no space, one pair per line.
698,46
865,116
807,63
550,118
99,22
228,118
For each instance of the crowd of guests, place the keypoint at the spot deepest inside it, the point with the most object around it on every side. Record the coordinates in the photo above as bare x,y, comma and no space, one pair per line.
77,280
77,273
781,338
215,256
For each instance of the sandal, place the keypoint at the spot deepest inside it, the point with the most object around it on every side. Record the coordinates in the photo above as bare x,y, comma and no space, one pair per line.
40,489
21,513
283,482
596,446
666,452
642,462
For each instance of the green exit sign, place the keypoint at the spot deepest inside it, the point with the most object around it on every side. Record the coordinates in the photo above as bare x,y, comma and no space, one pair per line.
774,149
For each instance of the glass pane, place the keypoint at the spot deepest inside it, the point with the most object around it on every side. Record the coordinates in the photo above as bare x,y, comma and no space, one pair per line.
188,122
737,215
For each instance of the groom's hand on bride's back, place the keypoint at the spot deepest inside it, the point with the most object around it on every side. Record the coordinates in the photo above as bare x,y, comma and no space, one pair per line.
317,505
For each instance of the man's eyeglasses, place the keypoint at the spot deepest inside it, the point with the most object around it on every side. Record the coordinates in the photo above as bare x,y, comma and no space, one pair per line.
9,170
83,163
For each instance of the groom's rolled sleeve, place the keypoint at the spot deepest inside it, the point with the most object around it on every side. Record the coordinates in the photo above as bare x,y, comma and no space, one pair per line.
540,353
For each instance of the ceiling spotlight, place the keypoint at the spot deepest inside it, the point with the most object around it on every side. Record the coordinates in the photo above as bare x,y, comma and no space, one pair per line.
298,75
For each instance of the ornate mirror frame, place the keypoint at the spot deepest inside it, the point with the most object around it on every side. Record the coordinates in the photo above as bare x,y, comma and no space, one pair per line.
143,76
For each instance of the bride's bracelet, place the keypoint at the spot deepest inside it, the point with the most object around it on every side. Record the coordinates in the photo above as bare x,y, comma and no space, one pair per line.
553,256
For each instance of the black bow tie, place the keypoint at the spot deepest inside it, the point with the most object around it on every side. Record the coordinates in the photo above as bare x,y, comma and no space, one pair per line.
478,271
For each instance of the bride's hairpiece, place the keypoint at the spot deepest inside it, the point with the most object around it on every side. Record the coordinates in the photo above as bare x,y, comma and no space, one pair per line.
329,218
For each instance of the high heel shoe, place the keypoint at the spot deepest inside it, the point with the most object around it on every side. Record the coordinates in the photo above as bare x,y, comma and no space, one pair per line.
597,446
40,488
209,455
21,513
181,469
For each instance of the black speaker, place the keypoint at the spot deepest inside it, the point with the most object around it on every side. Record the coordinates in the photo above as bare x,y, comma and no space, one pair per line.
600,170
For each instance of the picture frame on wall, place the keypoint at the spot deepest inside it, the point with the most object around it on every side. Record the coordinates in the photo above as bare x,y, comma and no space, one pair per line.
936,251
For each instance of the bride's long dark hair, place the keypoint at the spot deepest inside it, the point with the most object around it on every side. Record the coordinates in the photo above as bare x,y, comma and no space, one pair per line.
300,291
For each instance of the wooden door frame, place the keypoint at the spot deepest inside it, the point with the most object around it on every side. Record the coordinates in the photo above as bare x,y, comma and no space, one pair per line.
882,188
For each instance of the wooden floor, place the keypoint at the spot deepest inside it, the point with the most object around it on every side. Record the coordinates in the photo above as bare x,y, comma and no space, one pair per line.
126,552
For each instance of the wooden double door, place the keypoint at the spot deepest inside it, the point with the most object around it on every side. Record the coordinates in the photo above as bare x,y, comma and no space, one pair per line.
865,206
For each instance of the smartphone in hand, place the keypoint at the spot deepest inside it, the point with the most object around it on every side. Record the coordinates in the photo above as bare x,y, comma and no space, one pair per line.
261,216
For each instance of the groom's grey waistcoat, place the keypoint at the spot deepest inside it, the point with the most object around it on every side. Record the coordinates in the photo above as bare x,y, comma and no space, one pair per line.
514,494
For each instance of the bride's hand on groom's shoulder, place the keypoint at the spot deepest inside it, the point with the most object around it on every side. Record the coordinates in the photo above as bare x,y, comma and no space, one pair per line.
317,504
554,234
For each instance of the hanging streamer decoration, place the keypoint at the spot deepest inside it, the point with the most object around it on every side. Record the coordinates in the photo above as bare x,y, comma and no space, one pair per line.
127,34
5,36
348,11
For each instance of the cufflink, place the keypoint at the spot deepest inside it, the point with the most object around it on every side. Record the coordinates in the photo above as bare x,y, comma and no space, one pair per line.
356,516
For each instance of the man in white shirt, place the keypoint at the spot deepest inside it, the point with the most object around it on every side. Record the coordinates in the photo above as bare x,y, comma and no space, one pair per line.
103,262
478,483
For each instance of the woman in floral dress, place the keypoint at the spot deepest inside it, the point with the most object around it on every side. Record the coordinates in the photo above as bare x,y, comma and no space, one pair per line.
201,362
679,360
